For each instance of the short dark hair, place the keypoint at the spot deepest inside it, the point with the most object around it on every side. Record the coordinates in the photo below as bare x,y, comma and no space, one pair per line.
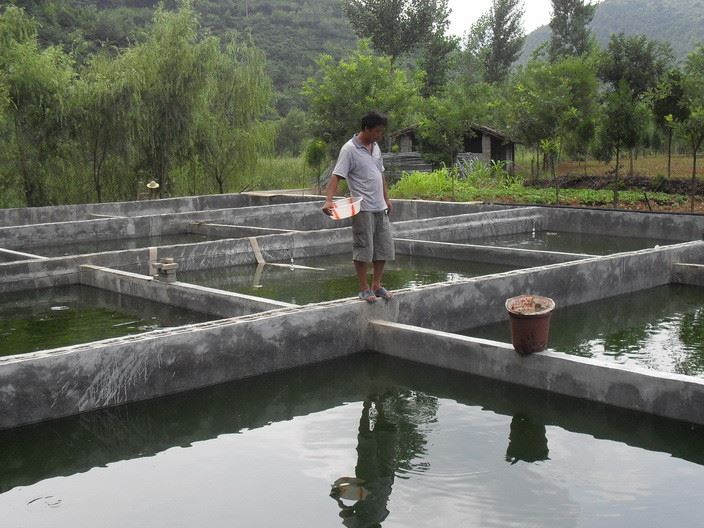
373,119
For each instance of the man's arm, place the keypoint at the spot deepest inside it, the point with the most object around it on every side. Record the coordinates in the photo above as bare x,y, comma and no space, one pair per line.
383,181
386,193
330,194
339,172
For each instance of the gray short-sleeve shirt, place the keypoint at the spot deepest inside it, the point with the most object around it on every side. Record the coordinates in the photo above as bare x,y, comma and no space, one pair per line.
364,173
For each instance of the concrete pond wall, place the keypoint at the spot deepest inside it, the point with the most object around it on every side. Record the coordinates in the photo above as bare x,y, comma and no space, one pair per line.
69,213
255,336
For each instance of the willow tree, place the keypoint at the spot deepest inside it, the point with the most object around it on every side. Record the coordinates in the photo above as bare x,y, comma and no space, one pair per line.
8,195
36,84
170,74
103,100
231,132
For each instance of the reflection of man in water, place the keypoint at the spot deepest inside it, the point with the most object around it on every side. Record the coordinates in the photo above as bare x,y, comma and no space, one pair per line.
376,444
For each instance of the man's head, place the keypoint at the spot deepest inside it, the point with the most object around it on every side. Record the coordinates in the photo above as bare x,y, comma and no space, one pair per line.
373,125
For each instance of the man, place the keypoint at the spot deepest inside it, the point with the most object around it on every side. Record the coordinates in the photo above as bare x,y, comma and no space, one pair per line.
361,165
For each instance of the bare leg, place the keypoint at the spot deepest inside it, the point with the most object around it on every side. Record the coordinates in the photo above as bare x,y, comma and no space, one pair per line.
361,269
378,274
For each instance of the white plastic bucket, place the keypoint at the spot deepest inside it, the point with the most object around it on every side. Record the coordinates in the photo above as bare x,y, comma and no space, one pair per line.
345,207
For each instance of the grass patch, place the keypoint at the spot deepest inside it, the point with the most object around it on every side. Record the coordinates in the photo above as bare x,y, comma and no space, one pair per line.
282,173
444,184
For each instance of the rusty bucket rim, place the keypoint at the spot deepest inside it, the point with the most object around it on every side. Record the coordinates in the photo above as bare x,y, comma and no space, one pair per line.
542,300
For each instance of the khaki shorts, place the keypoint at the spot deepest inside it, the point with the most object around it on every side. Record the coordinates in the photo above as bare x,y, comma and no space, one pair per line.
372,237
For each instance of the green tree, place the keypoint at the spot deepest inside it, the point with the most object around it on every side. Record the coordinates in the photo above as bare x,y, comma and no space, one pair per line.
622,120
230,131
171,68
290,32
99,113
692,131
8,194
344,91
507,37
692,128
551,148
472,62
637,60
669,107
397,27
315,155
552,104
496,39
436,61
447,119
37,83
638,63
291,134
569,25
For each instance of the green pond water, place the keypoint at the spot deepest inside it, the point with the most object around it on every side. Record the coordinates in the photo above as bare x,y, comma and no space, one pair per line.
337,279
660,328
96,246
434,448
69,315
568,242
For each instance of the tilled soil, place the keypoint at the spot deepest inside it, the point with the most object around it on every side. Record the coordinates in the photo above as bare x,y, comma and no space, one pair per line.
627,183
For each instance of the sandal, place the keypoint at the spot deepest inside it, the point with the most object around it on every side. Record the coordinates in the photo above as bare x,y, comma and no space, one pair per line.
383,293
367,295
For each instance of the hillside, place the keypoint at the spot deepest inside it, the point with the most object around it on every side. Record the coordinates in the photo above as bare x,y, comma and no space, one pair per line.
292,33
679,22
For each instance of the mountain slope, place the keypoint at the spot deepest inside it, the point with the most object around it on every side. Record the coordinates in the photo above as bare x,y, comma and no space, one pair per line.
292,33
679,22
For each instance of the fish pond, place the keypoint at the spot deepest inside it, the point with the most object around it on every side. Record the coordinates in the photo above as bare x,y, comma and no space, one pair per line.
116,244
47,318
568,242
409,446
659,328
334,277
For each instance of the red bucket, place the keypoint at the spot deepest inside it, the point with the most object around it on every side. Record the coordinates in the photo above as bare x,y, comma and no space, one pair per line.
530,322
